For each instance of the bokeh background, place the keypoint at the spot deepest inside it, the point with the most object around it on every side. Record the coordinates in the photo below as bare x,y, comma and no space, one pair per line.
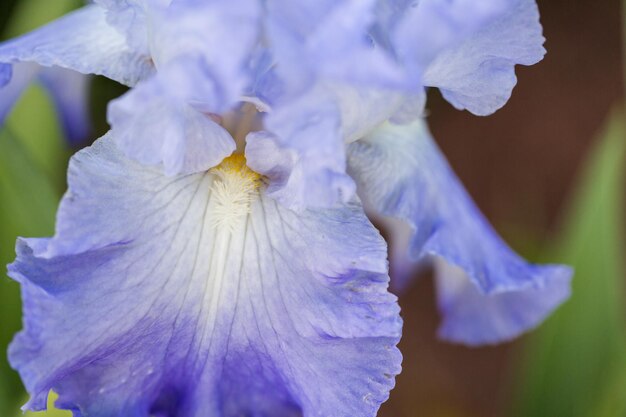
548,170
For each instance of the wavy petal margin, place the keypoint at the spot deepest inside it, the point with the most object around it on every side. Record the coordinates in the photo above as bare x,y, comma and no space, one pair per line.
401,173
146,303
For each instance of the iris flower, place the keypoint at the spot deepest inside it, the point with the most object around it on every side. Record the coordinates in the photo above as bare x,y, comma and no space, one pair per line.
212,255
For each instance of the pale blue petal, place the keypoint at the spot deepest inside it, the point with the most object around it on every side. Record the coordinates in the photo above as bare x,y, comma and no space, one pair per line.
342,48
145,304
479,74
200,49
329,39
362,109
420,31
411,109
130,18
473,318
70,93
265,84
401,173
153,124
81,41
289,26
6,71
222,34
303,155
303,151
217,36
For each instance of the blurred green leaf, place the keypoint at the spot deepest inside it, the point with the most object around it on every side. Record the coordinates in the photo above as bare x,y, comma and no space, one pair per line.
612,402
34,121
575,364
30,14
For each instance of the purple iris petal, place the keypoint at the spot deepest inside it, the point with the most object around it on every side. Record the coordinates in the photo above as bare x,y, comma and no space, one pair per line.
307,163
472,318
197,295
303,150
6,72
313,40
81,41
479,73
207,55
200,50
401,173
129,17
420,31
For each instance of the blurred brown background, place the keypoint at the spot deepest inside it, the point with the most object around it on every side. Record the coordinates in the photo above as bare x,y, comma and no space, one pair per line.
519,165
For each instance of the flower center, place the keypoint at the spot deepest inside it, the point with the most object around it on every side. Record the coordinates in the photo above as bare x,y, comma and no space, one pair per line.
234,187
239,122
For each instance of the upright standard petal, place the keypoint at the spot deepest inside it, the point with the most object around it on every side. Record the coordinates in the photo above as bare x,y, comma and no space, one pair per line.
401,173
197,295
303,151
81,41
418,32
303,154
200,50
216,36
329,39
479,73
